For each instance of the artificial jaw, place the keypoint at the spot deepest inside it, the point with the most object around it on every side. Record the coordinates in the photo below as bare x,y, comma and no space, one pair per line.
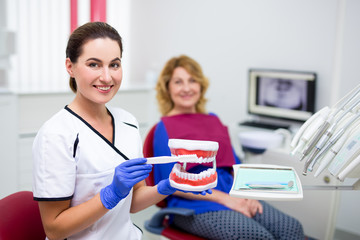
206,152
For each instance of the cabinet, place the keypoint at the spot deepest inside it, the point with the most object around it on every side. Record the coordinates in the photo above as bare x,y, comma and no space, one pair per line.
317,211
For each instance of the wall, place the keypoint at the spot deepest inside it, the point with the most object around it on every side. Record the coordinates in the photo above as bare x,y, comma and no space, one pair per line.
230,36
8,140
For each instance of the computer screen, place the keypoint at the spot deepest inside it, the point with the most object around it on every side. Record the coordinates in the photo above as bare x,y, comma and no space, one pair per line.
281,94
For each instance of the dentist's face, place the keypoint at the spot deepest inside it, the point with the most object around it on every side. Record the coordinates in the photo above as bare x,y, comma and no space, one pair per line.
184,91
98,71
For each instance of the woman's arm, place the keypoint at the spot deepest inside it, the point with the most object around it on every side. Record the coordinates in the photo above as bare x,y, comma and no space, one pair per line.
60,220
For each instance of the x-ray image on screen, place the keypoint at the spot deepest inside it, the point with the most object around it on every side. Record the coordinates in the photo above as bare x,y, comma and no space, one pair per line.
282,93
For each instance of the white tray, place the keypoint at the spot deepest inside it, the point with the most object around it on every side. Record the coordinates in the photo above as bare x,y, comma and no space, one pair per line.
244,173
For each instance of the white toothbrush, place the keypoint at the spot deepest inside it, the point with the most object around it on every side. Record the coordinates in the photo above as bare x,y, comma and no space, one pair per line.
169,159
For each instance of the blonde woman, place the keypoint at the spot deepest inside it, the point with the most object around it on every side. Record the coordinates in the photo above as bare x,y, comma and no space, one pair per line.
181,89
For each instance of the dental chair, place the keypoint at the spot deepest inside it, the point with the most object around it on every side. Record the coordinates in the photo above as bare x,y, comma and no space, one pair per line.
159,223
20,217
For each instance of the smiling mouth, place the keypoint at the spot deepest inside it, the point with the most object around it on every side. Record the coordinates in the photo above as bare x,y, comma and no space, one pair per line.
206,152
103,88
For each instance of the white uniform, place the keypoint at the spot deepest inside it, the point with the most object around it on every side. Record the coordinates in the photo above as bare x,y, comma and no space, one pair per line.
74,161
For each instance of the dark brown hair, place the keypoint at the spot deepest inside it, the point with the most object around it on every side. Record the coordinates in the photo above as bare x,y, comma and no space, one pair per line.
85,33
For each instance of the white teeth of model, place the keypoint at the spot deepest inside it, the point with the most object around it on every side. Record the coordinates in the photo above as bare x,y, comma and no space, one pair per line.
192,176
177,167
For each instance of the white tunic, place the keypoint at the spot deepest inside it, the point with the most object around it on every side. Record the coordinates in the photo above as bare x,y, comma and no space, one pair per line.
74,161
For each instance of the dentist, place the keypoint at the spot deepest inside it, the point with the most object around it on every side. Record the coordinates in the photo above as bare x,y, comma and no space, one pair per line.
88,172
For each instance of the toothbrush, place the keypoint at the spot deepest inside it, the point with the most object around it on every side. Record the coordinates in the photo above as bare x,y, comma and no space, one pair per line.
169,159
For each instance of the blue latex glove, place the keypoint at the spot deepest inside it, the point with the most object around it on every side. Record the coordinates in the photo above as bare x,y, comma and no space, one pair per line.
165,188
126,175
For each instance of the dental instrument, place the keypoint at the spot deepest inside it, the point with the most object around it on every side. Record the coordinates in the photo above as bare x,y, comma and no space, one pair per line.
304,127
330,155
267,185
352,167
309,147
350,150
346,124
347,153
328,133
327,124
308,131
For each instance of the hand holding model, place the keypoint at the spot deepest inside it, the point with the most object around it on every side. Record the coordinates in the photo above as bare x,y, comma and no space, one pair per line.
126,175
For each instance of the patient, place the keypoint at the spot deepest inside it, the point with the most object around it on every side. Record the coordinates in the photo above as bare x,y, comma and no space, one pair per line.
180,89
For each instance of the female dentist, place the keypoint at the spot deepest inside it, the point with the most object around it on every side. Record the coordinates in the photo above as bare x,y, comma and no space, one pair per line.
88,166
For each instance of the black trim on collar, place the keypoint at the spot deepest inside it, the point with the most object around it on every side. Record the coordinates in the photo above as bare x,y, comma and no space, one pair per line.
138,228
113,122
75,145
131,125
99,134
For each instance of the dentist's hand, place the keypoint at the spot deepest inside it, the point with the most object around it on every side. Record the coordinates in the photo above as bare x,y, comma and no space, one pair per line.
126,175
165,188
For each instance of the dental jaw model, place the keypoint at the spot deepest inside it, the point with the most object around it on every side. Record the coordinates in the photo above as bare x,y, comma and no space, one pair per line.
205,152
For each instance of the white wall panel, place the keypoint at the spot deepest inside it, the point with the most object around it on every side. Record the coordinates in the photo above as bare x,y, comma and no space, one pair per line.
8,146
42,32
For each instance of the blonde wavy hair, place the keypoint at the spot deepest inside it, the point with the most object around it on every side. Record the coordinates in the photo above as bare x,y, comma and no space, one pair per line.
162,91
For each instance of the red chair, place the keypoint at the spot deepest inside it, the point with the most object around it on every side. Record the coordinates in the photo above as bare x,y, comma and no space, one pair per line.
159,223
20,217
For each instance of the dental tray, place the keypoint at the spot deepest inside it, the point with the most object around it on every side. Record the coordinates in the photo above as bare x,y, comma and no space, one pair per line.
266,182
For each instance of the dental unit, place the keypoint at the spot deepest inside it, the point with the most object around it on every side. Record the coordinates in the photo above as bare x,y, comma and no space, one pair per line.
324,137
190,151
330,155
350,151
333,123
327,122
350,169
334,138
